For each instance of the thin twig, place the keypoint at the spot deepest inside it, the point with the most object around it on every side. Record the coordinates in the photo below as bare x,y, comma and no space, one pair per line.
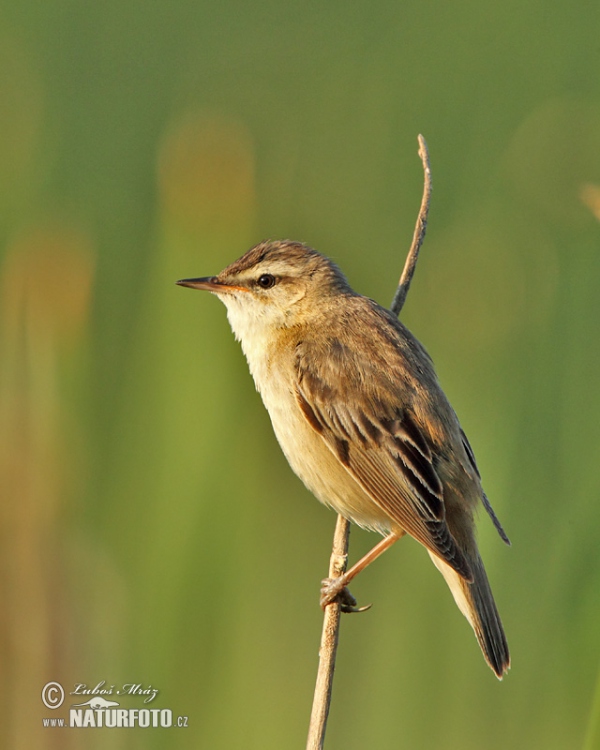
339,553
329,641
418,236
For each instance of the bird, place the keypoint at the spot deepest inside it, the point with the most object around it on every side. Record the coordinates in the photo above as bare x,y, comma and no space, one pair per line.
356,406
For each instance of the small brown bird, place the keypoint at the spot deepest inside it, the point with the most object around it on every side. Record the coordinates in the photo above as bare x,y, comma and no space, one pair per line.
358,411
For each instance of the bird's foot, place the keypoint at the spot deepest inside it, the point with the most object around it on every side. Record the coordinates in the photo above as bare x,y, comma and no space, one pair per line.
334,590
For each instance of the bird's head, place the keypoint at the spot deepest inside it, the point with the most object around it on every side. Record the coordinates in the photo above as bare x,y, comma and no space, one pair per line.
274,285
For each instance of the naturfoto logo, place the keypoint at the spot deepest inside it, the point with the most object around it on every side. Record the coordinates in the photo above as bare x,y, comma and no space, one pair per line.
101,710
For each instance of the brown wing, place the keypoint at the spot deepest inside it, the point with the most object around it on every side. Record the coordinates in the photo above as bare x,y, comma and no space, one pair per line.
385,450
484,498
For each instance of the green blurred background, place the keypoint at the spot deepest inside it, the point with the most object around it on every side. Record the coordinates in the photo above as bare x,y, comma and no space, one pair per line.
151,529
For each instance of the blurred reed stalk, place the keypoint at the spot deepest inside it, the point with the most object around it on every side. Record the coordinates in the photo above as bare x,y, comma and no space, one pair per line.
45,282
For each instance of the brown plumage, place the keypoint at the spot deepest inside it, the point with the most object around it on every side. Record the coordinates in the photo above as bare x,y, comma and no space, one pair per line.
359,413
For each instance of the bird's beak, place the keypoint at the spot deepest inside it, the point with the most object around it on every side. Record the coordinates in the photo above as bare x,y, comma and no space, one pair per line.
210,284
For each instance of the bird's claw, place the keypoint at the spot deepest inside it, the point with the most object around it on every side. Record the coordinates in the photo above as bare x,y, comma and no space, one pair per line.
333,590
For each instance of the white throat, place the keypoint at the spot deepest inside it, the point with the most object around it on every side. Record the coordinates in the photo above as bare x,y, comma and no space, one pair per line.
255,326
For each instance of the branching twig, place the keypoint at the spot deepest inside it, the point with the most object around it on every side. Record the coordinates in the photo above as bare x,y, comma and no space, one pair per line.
418,236
329,641
339,553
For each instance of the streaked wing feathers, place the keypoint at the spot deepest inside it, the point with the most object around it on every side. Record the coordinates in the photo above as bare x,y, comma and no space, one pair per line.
391,459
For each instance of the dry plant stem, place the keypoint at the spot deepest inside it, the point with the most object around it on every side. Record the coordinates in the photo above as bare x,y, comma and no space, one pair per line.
329,641
418,236
339,554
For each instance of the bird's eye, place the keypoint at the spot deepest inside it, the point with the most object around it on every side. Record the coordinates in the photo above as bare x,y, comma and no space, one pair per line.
266,281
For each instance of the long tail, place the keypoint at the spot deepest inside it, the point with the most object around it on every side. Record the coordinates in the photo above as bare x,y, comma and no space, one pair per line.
477,604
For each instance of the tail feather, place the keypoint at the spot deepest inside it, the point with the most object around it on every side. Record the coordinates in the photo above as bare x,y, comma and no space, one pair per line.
476,602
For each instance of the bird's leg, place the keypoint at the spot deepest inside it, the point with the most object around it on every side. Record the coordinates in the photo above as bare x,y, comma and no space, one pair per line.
334,589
